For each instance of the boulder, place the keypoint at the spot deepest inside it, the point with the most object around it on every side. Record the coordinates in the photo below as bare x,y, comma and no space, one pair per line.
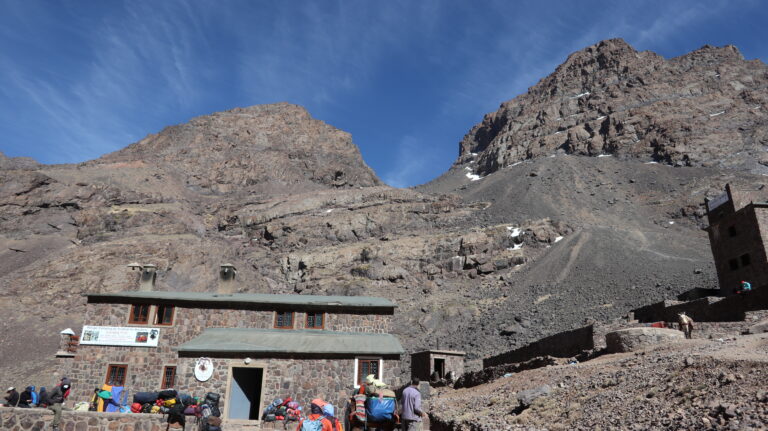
631,339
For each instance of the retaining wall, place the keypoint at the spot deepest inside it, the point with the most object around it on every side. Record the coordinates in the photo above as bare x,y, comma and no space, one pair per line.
560,345
15,419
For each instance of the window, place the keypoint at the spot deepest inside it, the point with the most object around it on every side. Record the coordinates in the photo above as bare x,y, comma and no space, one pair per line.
284,319
315,320
745,259
116,375
734,264
366,367
169,378
139,314
732,231
164,315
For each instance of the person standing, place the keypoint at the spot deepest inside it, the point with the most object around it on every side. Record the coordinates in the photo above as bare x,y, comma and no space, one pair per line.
56,400
412,412
315,421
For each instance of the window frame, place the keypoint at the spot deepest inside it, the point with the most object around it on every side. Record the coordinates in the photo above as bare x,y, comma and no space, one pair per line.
157,315
293,320
732,231
745,259
164,381
358,377
110,367
733,264
131,313
322,322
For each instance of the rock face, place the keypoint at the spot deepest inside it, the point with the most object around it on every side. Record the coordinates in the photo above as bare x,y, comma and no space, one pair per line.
631,339
485,265
266,149
705,108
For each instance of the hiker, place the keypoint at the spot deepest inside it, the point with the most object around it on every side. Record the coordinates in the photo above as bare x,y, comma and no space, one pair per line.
25,399
412,412
315,421
329,413
12,399
56,400
744,288
42,398
686,324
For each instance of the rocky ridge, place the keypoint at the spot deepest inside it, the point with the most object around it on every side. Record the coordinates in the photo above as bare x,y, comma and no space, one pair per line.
481,265
706,108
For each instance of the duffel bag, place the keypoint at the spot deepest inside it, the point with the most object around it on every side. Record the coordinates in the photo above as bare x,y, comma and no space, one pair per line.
167,394
145,397
378,410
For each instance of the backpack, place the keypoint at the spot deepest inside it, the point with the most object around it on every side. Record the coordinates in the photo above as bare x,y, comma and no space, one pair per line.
146,408
212,399
176,415
270,409
312,425
205,411
145,397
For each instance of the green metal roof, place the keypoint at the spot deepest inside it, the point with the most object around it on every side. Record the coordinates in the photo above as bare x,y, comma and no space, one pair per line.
298,301
287,341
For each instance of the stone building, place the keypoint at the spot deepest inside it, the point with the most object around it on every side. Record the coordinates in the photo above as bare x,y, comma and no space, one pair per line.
738,231
250,348
442,362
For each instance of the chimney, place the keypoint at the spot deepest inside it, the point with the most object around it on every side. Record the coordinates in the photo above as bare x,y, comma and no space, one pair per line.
148,275
227,273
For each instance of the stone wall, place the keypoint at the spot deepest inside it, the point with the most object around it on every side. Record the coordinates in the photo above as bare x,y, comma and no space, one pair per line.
14,419
711,309
561,345
88,369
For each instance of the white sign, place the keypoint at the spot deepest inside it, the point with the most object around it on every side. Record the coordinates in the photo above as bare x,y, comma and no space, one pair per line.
716,202
203,369
120,336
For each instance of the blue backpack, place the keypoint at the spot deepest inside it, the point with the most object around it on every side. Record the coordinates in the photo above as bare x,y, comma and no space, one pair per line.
315,425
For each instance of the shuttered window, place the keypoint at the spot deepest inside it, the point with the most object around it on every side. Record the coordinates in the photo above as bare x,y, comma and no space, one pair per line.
139,314
315,320
116,375
164,315
366,367
169,378
284,319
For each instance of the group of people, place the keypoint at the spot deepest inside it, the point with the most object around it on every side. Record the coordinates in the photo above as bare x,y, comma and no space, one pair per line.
52,400
322,414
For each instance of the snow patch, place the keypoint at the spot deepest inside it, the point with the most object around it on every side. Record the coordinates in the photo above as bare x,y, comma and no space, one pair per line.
552,155
600,118
586,93
604,155
756,107
473,154
717,113
467,168
473,177
558,132
515,231
559,119
515,247
671,222
558,239
515,164
651,163
327,211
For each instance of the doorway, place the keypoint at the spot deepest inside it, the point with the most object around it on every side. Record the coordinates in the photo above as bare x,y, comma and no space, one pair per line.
440,367
244,398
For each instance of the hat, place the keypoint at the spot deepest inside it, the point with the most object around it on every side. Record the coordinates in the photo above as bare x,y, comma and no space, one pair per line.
328,410
12,388
319,402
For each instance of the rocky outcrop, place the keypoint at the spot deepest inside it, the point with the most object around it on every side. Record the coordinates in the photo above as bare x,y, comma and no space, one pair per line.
705,108
631,339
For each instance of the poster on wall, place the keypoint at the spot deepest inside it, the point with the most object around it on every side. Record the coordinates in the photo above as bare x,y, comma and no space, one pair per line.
120,336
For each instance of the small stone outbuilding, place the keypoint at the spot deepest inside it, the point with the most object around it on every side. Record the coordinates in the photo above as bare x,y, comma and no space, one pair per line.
442,362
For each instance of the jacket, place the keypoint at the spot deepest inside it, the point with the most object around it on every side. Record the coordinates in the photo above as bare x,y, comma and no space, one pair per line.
12,398
411,404
56,396
25,399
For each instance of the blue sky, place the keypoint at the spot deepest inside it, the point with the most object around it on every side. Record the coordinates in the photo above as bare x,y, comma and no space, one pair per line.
407,78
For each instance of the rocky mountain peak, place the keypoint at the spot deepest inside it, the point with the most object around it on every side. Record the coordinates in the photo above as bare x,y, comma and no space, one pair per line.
705,108
264,147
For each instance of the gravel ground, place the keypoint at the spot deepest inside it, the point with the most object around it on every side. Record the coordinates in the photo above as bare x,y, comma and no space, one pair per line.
689,385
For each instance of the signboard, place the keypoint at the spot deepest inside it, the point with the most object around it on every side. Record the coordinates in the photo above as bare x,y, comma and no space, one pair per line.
120,336
716,202
203,369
